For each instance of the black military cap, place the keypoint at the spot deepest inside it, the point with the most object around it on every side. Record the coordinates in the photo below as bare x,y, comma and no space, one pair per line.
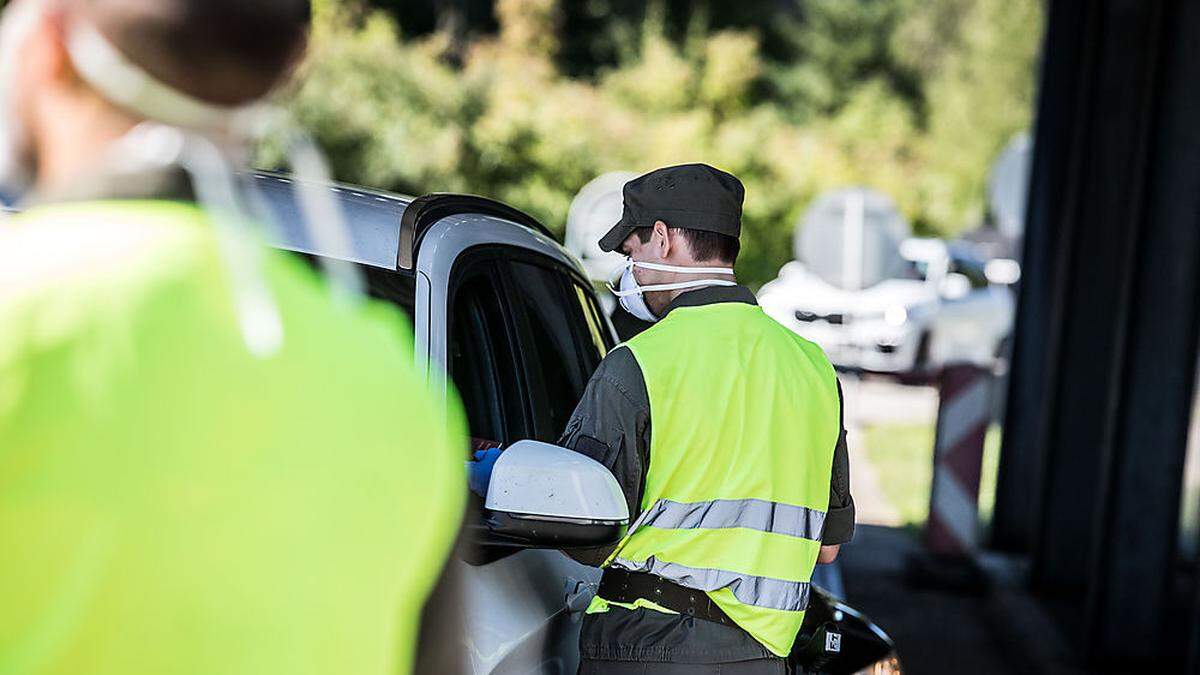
693,196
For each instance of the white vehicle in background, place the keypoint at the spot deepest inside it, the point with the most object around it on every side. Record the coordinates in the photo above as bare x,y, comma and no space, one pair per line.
945,305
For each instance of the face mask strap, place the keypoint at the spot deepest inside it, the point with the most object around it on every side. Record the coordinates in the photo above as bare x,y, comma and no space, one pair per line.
103,67
106,69
323,215
151,145
681,270
699,283
614,285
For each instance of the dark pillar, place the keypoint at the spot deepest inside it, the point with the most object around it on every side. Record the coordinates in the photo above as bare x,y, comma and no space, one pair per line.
1108,178
1105,349
1053,194
1140,489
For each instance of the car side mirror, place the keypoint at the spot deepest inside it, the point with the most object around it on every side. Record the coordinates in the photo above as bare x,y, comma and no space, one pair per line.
544,496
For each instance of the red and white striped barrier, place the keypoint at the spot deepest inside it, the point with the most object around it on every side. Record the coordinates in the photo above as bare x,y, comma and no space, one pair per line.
964,411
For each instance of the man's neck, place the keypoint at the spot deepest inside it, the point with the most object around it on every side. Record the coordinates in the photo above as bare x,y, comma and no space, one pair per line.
72,148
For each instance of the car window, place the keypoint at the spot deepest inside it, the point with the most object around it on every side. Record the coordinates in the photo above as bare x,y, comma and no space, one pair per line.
399,290
558,349
481,360
599,337
395,288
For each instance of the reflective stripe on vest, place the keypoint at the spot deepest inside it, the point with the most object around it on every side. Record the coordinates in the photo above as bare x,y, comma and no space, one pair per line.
745,418
753,514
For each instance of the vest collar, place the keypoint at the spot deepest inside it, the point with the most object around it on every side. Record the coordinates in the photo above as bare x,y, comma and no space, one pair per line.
711,295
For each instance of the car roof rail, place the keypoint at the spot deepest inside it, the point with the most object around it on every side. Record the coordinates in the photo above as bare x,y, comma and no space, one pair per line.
427,210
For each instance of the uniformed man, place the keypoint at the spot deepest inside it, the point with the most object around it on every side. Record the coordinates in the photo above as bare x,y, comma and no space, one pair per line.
206,464
724,429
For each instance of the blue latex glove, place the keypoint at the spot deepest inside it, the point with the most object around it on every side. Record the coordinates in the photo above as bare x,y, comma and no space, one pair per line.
479,472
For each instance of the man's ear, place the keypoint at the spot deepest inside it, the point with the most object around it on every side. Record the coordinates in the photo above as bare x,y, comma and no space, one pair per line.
662,236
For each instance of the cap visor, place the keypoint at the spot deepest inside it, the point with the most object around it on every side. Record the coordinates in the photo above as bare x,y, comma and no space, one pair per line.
616,236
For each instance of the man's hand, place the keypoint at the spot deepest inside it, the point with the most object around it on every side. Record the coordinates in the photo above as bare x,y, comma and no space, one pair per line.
479,472
828,554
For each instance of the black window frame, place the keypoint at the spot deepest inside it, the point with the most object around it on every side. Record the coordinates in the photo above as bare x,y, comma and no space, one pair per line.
517,419
398,289
395,287
570,279
500,259
603,327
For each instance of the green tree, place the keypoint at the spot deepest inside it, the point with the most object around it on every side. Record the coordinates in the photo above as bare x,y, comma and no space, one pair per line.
838,46
977,60
911,97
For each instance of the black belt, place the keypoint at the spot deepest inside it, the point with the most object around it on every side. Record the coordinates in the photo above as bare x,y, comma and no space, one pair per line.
620,585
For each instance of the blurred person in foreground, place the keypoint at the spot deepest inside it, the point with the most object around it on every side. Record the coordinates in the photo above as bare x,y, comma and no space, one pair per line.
725,432
207,465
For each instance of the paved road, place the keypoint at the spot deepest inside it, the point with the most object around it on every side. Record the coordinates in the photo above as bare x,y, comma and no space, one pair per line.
871,401
875,400
935,632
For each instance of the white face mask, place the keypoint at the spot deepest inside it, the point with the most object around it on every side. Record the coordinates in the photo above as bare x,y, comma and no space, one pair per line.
631,295
16,155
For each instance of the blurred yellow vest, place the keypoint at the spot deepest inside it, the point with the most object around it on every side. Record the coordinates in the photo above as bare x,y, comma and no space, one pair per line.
170,503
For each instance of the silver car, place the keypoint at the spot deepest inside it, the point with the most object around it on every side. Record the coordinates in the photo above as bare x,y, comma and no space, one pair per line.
498,305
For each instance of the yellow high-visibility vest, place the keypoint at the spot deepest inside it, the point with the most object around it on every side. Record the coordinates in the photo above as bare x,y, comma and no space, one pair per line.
746,416
170,503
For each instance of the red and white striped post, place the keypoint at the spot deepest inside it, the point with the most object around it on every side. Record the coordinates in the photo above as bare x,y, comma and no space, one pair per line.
964,411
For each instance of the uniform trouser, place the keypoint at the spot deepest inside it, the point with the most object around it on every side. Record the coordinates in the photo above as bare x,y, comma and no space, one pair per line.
756,667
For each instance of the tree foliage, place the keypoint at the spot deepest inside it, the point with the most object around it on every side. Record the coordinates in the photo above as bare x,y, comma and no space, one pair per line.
910,96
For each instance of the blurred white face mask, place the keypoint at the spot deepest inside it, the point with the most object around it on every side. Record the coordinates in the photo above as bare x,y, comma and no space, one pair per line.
16,154
111,74
632,297
197,136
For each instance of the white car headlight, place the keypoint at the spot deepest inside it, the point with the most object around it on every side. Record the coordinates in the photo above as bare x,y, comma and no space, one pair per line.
896,315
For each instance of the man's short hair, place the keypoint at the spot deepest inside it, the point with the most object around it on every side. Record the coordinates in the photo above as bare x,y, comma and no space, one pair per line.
704,245
226,52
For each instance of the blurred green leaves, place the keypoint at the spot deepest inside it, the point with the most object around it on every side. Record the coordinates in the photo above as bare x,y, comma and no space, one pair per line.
910,96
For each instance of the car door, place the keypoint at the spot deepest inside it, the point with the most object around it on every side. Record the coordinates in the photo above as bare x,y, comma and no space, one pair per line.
561,338
522,342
